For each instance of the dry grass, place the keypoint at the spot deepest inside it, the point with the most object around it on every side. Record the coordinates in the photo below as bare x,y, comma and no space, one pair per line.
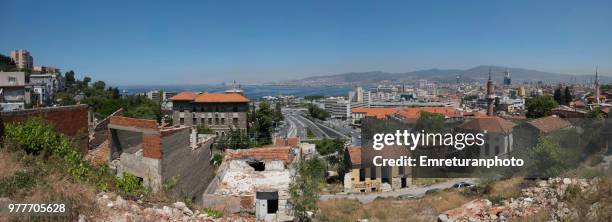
333,188
541,216
428,181
8,166
391,209
507,188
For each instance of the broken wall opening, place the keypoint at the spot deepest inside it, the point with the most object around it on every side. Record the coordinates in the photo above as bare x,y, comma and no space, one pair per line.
257,165
124,141
267,203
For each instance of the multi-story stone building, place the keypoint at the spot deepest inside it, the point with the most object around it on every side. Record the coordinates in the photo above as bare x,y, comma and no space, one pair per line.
14,91
44,87
217,111
22,59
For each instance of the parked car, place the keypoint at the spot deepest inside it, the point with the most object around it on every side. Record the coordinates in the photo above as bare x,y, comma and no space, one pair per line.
462,185
407,196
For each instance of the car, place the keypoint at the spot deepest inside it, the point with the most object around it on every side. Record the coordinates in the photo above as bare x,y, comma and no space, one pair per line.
407,196
462,185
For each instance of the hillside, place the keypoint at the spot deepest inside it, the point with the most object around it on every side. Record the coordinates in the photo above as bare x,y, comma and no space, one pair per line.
478,73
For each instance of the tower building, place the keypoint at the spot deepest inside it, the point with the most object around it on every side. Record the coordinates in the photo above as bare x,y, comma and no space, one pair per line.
507,80
597,99
490,96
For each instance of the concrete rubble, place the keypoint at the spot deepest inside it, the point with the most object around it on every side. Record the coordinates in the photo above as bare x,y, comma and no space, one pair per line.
126,210
547,195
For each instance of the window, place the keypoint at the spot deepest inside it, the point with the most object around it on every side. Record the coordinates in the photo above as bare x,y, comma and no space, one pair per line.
222,121
209,121
235,121
272,206
362,174
373,172
235,109
182,121
216,121
12,80
181,109
195,120
202,120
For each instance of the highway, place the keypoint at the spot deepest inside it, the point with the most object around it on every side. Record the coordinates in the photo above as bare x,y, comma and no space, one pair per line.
296,124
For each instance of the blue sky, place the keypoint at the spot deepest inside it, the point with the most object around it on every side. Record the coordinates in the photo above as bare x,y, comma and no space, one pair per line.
201,42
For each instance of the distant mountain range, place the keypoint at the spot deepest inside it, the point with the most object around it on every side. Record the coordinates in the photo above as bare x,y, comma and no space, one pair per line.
476,74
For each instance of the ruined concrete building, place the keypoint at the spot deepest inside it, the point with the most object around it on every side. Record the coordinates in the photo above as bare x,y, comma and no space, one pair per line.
254,181
158,155
362,177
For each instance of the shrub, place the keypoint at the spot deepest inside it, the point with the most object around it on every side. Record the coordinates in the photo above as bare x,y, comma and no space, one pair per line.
170,184
34,136
202,129
21,180
212,212
217,159
130,185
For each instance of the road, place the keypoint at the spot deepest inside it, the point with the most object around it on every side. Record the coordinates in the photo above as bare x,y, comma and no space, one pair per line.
296,124
417,191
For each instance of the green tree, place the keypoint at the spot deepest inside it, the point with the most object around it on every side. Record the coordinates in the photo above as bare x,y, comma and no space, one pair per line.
7,64
497,105
540,106
559,96
86,81
329,146
304,189
594,113
568,96
548,159
70,78
99,85
430,122
316,112
313,97
278,115
262,124
202,129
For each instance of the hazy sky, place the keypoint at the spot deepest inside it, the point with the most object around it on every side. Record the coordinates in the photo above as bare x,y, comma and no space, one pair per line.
255,41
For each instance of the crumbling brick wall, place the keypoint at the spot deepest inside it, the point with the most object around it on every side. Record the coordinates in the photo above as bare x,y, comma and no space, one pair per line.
191,167
99,133
72,121
166,155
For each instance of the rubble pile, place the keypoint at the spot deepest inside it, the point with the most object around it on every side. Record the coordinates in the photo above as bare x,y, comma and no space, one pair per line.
548,195
124,210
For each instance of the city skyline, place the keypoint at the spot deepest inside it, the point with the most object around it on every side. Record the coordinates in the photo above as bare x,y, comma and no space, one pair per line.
207,43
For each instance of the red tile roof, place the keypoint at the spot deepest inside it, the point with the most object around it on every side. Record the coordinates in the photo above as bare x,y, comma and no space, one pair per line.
184,96
291,141
210,97
379,113
415,112
220,98
262,154
549,123
579,103
355,155
490,124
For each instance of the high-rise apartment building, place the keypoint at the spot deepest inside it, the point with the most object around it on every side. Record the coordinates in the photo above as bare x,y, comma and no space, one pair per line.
22,59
